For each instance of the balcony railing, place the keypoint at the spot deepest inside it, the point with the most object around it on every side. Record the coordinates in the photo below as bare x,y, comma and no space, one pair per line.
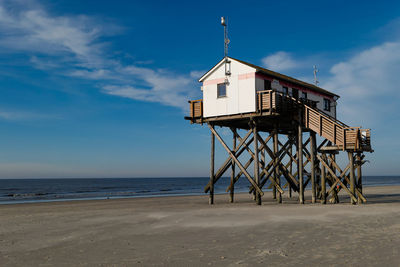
196,108
273,101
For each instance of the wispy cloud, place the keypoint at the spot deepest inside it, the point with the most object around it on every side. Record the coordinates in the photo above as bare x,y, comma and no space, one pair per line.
76,47
13,115
368,83
280,61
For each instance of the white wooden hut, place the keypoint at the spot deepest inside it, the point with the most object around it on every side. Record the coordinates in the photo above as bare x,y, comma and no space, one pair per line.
230,88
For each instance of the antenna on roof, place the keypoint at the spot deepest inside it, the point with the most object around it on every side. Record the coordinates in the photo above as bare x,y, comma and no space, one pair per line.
315,75
224,22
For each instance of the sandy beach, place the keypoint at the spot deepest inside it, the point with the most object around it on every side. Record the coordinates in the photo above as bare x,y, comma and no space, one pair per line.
186,231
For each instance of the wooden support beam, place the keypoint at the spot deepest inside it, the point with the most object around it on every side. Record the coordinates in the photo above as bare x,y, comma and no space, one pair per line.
306,153
300,162
352,177
313,151
322,144
304,165
331,160
232,191
347,179
211,197
225,166
291,180
323,180
269,177
290,166
246,146
359,178
250,161
256,163
276,164
342,174
281,154
236,161
333,175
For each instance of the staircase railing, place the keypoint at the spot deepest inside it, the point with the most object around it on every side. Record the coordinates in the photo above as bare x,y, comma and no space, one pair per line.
337,132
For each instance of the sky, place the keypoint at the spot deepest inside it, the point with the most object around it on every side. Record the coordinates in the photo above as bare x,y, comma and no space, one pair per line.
100,88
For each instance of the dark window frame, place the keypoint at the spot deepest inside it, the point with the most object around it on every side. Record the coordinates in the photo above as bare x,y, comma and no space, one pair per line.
304,95
295,93
267,85
327,104
221,86
285,90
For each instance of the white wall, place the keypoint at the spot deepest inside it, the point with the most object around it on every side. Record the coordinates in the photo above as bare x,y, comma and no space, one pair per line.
240,91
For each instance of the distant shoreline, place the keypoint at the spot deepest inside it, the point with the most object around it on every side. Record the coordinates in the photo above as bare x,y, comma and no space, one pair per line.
153,196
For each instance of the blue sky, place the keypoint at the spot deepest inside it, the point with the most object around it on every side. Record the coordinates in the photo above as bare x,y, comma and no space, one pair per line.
100,88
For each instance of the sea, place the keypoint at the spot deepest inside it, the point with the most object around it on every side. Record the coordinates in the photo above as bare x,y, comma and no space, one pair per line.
13,191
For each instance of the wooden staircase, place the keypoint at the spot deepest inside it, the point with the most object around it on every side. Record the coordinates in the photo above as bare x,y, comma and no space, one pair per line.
341,135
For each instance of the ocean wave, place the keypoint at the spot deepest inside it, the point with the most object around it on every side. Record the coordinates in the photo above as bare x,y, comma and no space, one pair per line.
21,195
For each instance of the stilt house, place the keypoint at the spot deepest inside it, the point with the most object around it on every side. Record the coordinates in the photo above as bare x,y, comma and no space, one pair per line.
243,96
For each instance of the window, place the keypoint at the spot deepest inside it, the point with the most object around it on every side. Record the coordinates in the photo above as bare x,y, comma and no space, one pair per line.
304,95
295,93
327,104
221,90
285,90
267,85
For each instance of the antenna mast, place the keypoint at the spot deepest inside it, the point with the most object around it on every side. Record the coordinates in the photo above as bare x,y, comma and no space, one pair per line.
224,22
315,75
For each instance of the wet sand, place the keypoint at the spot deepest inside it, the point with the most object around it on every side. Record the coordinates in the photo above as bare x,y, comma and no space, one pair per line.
186,231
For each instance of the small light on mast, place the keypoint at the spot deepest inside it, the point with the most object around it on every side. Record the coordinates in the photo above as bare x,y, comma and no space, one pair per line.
223,21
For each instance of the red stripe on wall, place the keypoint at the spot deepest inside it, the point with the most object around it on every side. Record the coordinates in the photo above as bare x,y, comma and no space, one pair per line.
246,76
215,81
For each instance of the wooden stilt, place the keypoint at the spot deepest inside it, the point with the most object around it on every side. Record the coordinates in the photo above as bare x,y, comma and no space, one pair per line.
263,163
276,164
336,191
352,177
256,163
291,165
323,182
273,188
312,151
300,163
232,191
212,162
359,177
262,155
